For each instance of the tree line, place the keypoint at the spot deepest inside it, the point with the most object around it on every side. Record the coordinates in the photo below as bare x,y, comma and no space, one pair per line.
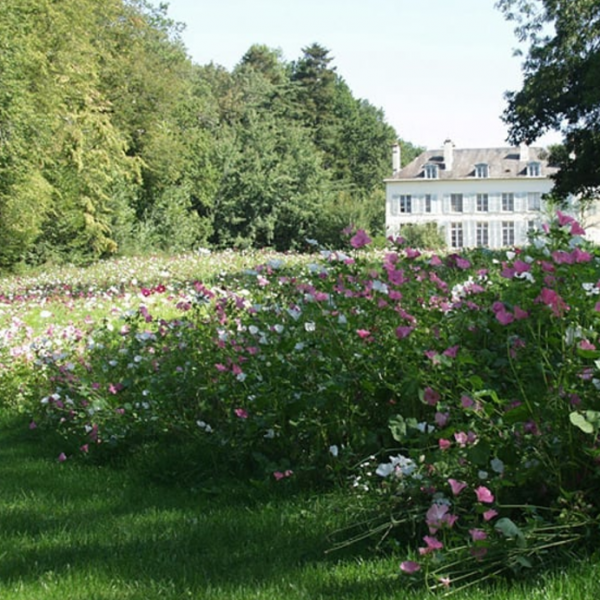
113,141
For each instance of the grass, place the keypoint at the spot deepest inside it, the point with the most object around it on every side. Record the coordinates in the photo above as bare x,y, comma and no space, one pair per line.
76,531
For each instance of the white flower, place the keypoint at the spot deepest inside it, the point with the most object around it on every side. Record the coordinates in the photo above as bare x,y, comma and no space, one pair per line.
278,328
270,434
334,451
253,329
310,326
384,469
497,466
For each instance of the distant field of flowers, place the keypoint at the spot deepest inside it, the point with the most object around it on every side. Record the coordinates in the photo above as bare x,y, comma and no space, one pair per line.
456,396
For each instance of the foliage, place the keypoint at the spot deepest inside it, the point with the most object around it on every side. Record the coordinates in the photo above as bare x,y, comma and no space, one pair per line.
560,90
471,381
113,141
425,236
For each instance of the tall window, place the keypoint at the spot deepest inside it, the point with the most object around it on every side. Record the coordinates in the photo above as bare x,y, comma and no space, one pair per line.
534,201
430,171
483,234
427,203
508,202
456,202
534,169
456,235
482,170
405,203
508,233
482,203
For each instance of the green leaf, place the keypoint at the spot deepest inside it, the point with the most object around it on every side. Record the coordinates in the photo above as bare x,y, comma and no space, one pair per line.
580,421
509,530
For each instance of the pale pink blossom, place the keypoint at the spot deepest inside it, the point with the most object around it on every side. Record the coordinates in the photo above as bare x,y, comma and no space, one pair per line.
484,494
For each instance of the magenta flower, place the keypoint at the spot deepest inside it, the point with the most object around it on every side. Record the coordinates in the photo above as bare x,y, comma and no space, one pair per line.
62,457
360,239
457,486
452,351
478,535
553,300
520,314
403,331
577,229
241,413
430,396
33,425
504,317
484,495
409,567
462,263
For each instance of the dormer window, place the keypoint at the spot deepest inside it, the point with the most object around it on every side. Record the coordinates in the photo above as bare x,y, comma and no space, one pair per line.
482,170
534,169
430,171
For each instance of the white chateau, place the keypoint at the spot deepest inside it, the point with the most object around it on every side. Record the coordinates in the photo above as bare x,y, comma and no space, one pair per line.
479,197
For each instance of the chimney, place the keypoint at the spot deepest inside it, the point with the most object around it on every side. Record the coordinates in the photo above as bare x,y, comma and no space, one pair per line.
523,152
396,158
448,154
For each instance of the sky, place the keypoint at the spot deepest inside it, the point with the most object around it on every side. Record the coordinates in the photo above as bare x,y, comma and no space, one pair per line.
437,68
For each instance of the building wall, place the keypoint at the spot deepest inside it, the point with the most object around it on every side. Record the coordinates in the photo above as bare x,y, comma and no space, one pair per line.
499,221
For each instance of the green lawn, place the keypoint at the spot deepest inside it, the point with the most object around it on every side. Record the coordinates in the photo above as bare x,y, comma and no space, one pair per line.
73,531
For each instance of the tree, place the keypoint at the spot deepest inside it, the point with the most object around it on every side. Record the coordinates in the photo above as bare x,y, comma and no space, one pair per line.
561,87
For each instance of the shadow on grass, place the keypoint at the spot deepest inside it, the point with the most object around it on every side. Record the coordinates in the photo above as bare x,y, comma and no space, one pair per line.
74,518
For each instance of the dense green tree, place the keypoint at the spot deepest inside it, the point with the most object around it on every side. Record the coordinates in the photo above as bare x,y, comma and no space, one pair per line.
561,87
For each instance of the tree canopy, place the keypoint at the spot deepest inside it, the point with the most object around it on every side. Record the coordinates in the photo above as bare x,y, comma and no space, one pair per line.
113,140
561,87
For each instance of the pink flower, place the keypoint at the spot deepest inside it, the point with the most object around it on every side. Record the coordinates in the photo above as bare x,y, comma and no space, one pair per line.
457,486
484,495
220,367
62,457
241,413
363,333
553,300
85,448
430,396
436,261
278,475
577,229
33,425
478,535
462,263
504,317
586,345
432,545
409,567
444,444
360,239
403,332
412,253
580,256
564,219
466,402
452,351
520,314
488,515
461,438
435,514
441,419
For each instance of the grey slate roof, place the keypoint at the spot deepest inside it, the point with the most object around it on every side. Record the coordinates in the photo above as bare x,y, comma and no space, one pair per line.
503,163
